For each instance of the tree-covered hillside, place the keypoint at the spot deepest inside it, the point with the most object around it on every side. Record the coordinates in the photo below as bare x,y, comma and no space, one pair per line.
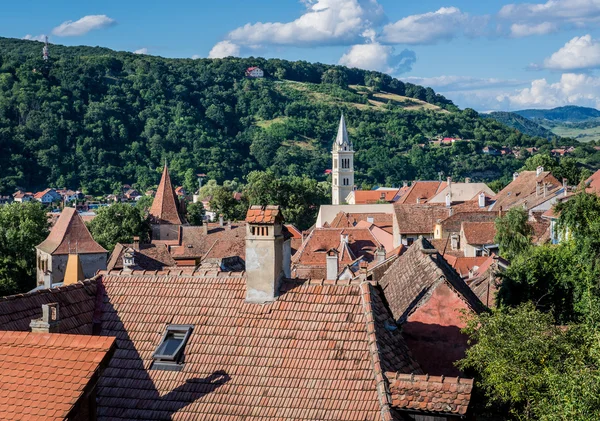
524,125
95,118
569,113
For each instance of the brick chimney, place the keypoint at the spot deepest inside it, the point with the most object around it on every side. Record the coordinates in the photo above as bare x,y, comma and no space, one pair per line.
332,265
49,322
264,253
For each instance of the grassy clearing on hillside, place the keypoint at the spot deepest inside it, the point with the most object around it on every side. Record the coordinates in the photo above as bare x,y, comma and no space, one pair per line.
265,124
583,135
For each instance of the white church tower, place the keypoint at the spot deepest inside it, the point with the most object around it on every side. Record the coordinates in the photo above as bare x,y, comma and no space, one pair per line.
343,166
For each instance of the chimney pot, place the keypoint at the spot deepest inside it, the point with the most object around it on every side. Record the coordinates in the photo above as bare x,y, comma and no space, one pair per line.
49,322
539,170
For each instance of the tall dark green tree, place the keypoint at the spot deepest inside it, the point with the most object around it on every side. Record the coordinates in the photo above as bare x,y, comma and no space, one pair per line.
119,223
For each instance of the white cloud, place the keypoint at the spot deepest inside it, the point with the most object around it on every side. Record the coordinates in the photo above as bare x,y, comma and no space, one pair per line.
543,18
374,56
30,37
224,49
325,22
519,30
196,56
571,89
449,83
141,51
579,53
428,28
83,25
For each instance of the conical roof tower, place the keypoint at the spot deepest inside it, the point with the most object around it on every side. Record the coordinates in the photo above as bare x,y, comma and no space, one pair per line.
165,207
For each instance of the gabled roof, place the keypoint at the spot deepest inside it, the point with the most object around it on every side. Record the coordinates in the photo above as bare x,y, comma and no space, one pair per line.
415,273
385,221
419,219
44,375
453,223
41,194
523,190
328,346
461,192
165,207
592,184
479,232
422,190
70,235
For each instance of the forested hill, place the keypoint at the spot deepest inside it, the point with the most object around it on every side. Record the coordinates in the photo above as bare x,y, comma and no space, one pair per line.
524,125
570,113
96,118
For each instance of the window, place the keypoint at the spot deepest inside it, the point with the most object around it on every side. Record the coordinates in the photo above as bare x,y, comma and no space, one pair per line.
169,353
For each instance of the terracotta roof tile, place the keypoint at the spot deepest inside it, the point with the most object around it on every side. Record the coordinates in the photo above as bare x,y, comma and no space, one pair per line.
263,214
77,306
165,207
524,191
48,372
70,234
479,232
442,395
422,190
365,197
419,219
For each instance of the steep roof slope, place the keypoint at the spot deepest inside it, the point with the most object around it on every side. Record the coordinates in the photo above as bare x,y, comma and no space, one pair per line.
247,360
164,207
422,190
418,270
419,219
523,190
69,235
44,375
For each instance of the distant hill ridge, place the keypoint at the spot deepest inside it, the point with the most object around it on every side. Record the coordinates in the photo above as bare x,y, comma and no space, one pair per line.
518,122
569,113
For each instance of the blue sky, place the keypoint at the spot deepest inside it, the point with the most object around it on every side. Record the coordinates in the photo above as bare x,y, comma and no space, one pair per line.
492,54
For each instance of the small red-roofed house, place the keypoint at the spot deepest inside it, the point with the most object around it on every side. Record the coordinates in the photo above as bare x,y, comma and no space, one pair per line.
477,238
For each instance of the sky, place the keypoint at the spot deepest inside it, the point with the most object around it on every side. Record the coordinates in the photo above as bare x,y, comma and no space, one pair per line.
483,54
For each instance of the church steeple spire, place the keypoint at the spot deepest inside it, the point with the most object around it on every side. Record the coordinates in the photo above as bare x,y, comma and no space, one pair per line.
164,207
342,153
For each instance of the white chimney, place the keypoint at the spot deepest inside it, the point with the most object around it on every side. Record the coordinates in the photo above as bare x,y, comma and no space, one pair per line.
49,322
449,181
537,188
539,170
467,180
47,280
448,199
482,200
380,255
565,187
221,221
515,175
264,253
332,265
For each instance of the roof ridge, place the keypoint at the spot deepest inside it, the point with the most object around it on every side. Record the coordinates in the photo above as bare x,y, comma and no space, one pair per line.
381,382
80,284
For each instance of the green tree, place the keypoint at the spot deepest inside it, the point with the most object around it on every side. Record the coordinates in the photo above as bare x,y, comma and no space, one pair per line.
223,203
530,369
513,233
195,213
335,77
144,204
118,223
22,227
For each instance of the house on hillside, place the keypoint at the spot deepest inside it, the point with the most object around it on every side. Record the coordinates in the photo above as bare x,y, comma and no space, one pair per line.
47,196
254,72
22,197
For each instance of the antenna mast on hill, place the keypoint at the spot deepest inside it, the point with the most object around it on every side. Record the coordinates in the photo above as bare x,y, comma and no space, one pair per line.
45,49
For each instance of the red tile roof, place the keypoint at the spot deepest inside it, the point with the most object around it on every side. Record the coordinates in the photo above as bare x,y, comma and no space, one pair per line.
324,346
524,189
263,214
364,197
463,265
385,221
445,395
453,223
592,184
70,234
165,207
44,375
77,307
41,194
419,219
422,190
479,232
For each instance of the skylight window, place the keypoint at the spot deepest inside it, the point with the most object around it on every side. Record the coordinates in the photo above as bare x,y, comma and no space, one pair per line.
169,353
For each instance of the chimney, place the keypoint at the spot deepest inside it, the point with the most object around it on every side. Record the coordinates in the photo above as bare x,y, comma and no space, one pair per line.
332,265
344,238
405,184
448,199
380,254
539,170
482,200
264,253
221,222
449,181
545,189
136,243
49,322
74,271
228,226
128,260
565,187
418,200
515,175
47,280
467,180
537,188
205,227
